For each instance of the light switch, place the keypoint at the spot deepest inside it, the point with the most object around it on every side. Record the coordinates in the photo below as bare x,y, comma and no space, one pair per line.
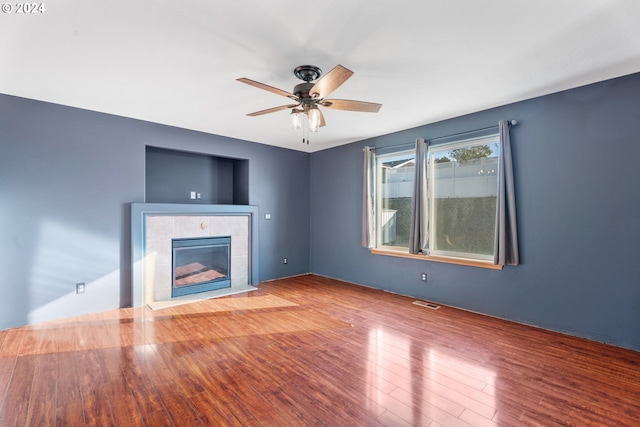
267,216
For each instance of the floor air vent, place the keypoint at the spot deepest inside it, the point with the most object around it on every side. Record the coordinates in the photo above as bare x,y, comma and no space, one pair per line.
430,305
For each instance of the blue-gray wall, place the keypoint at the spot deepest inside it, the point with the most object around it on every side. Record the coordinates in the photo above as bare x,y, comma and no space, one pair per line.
67,177
577,172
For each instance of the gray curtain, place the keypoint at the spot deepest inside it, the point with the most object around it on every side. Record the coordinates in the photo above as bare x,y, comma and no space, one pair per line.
419,233
368,199
506,237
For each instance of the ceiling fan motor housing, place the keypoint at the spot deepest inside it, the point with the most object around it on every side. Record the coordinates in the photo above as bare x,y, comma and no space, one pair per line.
302,91
307,73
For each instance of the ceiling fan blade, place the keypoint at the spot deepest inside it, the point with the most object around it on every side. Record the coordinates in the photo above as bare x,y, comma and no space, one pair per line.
268,88
272,110
322,122
330,81
349,105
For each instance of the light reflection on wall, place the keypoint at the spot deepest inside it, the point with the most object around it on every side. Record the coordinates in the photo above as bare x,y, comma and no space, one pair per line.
64,257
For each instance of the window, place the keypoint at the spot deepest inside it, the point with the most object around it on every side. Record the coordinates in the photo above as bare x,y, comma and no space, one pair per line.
463,189
394,194
464,210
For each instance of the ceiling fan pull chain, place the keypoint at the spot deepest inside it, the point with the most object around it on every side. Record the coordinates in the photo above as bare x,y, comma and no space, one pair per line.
304,130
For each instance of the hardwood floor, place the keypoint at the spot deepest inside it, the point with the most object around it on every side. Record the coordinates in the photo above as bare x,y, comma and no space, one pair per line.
310,351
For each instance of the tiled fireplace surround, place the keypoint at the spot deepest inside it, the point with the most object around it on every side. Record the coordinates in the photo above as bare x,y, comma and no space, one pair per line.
154,225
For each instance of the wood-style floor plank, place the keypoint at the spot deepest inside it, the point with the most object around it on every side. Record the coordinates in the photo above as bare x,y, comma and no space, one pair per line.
16,402
7,366
149,405
95,396
307,351
122,403
12,342
43,400
69,405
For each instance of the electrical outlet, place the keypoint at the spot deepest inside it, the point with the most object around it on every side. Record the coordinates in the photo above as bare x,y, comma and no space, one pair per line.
423,277
80,288
285,261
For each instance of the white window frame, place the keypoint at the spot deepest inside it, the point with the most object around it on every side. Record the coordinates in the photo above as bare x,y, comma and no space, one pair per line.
380,159
433,187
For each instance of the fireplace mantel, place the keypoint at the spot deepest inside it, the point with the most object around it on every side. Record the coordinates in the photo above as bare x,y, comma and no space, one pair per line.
189,220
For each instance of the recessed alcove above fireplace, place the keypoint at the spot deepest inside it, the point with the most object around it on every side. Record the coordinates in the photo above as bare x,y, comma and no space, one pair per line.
155,227
173,176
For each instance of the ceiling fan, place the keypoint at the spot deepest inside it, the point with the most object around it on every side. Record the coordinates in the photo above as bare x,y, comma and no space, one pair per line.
308,96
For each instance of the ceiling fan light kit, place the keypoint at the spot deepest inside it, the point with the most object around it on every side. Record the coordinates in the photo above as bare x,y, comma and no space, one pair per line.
295,119
305,114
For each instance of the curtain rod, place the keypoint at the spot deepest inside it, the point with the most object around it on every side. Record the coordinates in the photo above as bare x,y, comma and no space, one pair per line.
512,122
406,144
509,122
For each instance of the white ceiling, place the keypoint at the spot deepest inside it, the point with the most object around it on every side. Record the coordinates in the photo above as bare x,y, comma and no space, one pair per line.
176,62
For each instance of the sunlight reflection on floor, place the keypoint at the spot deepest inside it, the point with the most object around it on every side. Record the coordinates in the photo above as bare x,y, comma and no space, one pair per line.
427,377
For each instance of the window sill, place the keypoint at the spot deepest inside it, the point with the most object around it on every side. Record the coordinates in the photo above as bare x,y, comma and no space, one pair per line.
458,261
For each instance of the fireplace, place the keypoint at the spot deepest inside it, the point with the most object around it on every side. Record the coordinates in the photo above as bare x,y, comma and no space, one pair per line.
154,227
200,265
